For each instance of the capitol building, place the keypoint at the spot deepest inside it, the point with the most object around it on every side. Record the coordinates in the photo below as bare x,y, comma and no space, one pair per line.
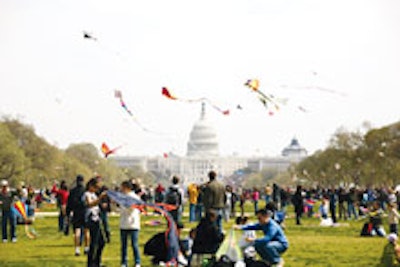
203,155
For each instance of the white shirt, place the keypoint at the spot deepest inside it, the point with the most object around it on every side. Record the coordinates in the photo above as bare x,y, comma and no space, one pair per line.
92,213
130,217
247,234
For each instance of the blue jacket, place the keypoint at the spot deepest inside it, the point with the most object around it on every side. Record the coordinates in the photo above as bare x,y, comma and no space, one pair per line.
272,232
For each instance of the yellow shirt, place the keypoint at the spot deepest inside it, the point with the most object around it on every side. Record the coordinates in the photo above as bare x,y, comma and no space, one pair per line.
193,193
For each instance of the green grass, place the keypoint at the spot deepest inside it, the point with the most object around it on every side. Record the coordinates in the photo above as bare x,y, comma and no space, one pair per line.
310,245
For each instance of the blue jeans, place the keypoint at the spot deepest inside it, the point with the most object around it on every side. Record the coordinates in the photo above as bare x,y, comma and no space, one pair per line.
199,211
255,206
270,251
192,212
134,236
351,210
10,216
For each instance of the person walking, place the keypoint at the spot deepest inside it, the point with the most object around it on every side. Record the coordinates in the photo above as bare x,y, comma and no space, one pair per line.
174,197
76,206
214,197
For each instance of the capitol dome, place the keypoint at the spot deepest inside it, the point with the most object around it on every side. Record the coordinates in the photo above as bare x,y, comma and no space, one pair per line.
203,137
294,150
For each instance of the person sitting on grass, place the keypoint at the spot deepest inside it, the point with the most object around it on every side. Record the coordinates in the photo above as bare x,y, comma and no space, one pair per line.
274,243
391,252
375,218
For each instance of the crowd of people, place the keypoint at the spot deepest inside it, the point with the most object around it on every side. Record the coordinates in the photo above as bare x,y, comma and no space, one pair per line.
85,208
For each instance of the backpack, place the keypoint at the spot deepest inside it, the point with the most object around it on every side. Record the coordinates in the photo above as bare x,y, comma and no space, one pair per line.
173,197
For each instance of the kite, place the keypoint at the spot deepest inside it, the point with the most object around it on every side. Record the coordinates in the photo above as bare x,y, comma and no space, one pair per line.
171,235
21,209
269,101
118,94
107,151
89,36
167,93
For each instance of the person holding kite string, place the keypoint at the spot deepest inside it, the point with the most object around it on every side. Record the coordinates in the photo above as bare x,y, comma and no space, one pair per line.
274,243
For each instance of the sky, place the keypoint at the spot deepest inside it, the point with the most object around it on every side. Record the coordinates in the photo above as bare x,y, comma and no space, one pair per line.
63,85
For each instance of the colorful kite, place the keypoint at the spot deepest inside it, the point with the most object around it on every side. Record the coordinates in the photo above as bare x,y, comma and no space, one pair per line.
167,93
107,151
171,235
118,94
268,101
21,209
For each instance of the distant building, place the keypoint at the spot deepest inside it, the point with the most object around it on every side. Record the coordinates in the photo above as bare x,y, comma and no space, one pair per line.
203,155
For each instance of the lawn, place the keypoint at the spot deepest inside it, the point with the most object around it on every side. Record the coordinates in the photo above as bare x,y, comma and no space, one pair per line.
310,245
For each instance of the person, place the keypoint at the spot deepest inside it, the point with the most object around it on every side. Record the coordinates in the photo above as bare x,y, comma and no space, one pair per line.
208,237
332,204
129,227
298,203
393,217
75,205
193,194
246,241
274,243
159,194
228,203
62,195
6,200
105,209
214,197
92,220
375,219
174,197
255,197
268,193
352,203
342,198
391,252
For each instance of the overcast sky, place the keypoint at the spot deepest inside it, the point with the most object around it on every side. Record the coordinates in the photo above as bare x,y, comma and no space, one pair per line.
63,85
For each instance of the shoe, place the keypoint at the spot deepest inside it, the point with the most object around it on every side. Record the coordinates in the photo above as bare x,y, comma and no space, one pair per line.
137,265
281,263
124,265
14,240
5,240
181,260
86,250
77,252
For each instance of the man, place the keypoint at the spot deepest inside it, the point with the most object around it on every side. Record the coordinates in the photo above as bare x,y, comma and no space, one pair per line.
76,205
274,243
214,197
6,200
174,197
193,193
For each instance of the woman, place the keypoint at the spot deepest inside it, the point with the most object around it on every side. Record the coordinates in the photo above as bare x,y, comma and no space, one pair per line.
92,219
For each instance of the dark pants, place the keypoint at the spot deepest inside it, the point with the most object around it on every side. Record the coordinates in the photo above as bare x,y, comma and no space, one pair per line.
298,217
333,214
12,219
393,228
96,244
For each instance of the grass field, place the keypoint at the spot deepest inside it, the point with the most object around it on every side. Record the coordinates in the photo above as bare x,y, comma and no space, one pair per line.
310,245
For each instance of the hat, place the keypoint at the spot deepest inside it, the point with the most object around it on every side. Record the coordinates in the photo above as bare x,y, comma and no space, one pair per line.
4,183
392,237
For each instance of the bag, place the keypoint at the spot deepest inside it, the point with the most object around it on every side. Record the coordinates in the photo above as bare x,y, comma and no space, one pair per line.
366,230
155,246
230,248
173,197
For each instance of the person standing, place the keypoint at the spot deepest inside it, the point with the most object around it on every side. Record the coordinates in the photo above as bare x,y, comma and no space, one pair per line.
129,227
214,197
174,197
6,200
298,204
255,197
76,206
273,243
332,203
342,198
93,221
268,193
193,193
62,195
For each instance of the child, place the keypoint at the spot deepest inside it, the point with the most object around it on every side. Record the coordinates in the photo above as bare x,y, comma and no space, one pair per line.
393,218
246,242
391,252
129,227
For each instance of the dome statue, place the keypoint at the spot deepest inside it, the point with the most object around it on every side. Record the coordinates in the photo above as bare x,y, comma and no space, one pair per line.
203,140
294,150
